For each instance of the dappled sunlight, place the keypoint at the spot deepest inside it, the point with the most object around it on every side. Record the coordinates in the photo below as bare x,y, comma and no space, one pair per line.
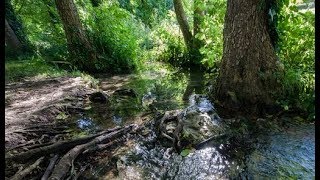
30,97
159,89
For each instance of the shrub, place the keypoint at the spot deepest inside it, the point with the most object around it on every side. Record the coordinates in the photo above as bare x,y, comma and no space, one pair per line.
116,36
296,51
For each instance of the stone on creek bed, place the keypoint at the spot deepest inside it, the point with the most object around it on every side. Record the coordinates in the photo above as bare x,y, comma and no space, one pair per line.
192,125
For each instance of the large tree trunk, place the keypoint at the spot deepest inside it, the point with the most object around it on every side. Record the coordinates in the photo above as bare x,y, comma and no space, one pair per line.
79,47
246,78
11,38
183,23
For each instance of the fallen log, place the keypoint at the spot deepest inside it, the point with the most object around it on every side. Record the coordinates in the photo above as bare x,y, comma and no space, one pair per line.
21,174
65,163
50,167
58,146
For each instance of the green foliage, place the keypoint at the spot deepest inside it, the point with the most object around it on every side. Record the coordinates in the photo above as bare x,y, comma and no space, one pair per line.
150,12
43,28
36,67
168,43
116,36
162,81
212,33
185,152
297,39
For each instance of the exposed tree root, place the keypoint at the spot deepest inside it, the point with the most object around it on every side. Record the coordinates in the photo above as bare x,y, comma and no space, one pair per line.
50,167
83,168
58,146
31,142
21,174
37,146
100,147
43,131
66,162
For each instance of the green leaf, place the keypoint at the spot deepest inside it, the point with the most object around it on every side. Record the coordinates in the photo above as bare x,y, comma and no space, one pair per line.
61,116
185,152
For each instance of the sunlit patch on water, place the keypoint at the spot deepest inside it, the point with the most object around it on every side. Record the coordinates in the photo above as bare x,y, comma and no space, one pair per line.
117,119
161,163
85,123
207,163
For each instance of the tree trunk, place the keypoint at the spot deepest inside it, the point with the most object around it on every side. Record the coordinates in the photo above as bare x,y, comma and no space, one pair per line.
183,23
246,79
15,35
11,38
79,47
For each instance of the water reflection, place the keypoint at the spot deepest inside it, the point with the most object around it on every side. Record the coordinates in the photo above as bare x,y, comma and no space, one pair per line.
195,82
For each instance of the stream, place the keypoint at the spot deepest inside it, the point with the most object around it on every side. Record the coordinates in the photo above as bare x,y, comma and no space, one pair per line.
285,153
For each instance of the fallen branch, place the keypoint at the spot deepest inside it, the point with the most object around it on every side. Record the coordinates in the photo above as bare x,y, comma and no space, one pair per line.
50,167
83,168
65,163
58,146
21,174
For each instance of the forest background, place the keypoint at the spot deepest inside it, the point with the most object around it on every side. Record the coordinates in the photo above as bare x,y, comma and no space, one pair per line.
125,34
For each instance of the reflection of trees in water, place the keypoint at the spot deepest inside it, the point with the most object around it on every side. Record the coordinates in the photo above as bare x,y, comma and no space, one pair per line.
195,83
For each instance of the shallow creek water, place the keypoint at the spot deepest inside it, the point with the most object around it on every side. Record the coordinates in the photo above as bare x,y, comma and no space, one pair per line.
284,154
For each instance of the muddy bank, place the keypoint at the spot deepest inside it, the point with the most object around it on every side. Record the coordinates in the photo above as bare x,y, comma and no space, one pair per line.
37,102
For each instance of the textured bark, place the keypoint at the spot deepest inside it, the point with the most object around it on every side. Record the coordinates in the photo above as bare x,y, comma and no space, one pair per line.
78,43
249,61
11,38
183,23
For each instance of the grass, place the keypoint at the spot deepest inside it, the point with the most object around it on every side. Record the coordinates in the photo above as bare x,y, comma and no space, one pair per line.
36,67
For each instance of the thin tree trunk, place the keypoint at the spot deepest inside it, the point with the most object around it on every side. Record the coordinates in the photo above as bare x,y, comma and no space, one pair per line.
183,23
78,43
14,30
11,38
248,64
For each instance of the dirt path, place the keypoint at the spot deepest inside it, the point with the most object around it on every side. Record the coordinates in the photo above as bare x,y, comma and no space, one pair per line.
31,102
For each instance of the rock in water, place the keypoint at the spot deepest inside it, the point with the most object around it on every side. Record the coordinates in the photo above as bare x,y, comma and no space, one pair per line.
98,97
193,125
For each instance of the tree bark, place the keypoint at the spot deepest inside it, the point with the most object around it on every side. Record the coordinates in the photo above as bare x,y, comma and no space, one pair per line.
11,38
246,79
183,23
78,43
